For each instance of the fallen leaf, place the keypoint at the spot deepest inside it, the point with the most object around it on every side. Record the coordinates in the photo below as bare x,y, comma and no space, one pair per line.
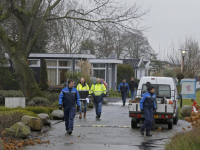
183,128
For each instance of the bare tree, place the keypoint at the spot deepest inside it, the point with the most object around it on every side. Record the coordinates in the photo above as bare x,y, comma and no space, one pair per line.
31,16
137,46
191,60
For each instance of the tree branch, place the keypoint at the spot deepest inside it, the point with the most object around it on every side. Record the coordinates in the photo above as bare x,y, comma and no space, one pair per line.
35,7
19,13
32,42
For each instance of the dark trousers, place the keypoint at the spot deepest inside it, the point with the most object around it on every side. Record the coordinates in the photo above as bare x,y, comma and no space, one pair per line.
148,115
124,97
69,114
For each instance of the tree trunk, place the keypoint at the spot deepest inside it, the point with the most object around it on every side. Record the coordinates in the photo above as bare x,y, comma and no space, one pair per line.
26,79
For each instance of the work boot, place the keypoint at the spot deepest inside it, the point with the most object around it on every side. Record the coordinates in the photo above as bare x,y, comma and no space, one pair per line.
99,115
69,132
148,134
80,116
84,115
141,131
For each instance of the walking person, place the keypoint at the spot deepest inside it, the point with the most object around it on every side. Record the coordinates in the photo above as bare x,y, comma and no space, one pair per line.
133,86
124,89
98,91
83,90
148,107
69,97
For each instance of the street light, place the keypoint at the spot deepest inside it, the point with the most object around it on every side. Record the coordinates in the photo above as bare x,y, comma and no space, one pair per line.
183,54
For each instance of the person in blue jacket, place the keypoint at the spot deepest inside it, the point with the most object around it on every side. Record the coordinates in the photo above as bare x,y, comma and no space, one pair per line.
69,97
148,107
124,89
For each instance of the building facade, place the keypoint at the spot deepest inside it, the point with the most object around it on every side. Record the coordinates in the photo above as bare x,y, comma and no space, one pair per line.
59,64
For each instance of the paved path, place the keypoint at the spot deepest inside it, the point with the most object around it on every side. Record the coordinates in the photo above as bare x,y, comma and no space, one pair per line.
106,138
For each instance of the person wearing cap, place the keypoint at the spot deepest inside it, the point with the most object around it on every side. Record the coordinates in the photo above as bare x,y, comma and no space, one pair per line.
83,90
68,99
148,107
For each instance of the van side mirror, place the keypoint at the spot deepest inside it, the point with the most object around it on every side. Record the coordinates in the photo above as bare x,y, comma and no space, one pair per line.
180,96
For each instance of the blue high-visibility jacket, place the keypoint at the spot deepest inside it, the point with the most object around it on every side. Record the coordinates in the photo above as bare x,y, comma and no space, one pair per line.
148,101
69,97
123,87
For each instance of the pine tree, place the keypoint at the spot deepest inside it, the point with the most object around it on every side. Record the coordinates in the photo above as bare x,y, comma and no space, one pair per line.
43,76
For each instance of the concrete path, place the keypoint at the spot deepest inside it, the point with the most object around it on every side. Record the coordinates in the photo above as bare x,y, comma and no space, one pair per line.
106,138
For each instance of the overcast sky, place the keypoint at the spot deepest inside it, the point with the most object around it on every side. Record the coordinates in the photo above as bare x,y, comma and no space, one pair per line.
170,21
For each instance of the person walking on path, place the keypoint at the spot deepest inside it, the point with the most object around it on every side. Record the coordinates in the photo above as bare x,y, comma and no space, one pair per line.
69,97
133,85
148,107
124,89
83,90
98,91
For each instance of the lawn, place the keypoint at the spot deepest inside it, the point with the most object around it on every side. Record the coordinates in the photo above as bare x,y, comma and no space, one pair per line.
189,102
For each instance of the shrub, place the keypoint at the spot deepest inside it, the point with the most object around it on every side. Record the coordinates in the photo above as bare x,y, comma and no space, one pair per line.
124,71
38,101
51,96
189,140
11,93
8,118
55,104
43,76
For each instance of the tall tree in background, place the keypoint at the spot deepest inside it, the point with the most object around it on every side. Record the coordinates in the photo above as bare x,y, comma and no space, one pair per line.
43,76
88,44
31,17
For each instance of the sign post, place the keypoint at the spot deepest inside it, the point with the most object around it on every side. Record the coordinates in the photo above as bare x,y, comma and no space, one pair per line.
188,89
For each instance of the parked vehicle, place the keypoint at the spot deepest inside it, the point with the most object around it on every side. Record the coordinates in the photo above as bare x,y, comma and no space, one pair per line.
166,101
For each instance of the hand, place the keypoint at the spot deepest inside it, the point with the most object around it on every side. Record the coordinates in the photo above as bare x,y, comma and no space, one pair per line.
78,108
93,95
154,111
60,106
141,111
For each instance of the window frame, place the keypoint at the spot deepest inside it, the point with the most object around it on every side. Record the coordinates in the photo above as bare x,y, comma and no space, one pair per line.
38,63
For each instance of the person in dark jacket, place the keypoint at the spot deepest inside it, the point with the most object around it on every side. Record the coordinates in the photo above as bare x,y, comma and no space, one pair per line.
69,97
124,89
148,107
133,85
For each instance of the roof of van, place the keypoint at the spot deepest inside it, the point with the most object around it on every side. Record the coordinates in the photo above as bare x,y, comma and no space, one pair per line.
157,80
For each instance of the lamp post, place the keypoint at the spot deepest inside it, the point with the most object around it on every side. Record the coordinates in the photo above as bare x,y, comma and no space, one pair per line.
183,54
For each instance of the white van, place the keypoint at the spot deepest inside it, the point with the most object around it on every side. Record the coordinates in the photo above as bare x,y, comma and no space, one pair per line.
166,101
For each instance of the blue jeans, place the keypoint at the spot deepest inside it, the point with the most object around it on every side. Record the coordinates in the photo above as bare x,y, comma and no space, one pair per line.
85,106
133,95
124,97
69,114
148,115
98,107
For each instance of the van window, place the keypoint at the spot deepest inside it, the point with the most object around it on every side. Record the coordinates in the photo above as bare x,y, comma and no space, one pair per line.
161,90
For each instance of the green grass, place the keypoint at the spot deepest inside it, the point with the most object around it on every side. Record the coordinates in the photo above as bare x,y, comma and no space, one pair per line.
189,140
189,102
36,110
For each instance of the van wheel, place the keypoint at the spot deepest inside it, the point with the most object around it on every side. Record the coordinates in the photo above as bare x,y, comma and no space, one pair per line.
175,120
170,125
134,123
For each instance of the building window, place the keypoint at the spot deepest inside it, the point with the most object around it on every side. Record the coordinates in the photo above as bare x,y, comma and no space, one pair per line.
99,73
64,63
52,76
99,65
61,75
51,63
33,62
56,70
